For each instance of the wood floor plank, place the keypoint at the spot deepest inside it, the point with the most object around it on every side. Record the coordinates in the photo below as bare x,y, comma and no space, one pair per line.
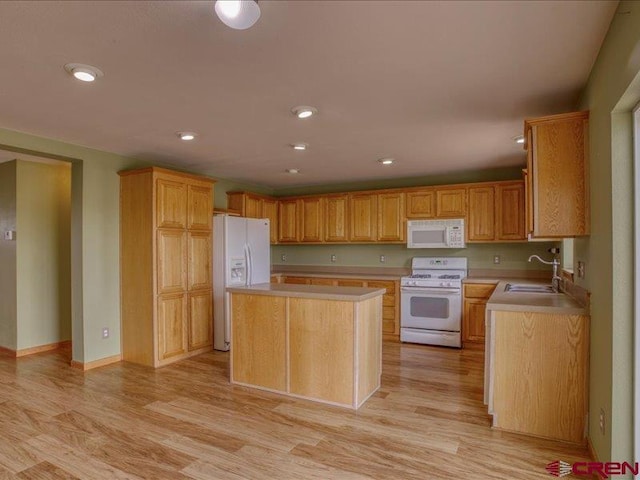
45,471
185,421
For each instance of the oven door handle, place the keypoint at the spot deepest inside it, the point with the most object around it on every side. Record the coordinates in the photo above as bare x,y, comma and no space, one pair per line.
428,290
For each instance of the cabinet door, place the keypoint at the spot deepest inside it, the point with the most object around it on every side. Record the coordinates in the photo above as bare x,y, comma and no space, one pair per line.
473,326
336,218
199,266
200,320
199,207
510,212
288,221
270,211
171,204
311,219
390,320
421,204
451,202
172,315
391,222
528,180
364,217
172,261
253,207
481,222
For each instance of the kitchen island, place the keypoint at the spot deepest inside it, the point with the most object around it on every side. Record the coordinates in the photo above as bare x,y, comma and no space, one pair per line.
321,343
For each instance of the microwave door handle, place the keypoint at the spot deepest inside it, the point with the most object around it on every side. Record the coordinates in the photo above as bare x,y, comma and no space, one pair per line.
447,236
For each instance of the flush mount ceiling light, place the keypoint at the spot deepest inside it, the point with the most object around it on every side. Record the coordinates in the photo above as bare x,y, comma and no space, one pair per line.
238,14
300,146
292,171
84,73
386,161
186,136
519,139
304,111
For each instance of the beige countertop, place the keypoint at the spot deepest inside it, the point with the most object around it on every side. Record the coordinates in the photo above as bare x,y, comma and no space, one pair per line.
325,292
558,303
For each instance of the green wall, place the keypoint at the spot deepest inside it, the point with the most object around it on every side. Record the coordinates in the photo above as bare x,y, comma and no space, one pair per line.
8,257
607,252
43,253
513,256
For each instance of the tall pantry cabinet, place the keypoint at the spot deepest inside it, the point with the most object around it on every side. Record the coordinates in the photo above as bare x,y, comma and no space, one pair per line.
165,265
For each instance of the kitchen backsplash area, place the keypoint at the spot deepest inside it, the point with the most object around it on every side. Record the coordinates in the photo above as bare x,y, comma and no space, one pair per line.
512,256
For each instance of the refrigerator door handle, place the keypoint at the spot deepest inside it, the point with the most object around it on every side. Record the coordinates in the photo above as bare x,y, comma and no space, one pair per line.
247,250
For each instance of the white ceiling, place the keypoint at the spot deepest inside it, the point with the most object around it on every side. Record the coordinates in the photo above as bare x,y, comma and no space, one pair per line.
440,86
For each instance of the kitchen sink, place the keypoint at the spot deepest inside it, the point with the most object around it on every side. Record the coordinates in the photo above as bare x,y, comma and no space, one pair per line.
528,288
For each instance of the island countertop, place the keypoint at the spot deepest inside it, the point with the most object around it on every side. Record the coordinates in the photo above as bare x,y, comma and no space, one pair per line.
325,292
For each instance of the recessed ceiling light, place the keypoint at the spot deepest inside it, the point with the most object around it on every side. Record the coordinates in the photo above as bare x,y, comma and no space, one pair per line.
300,146
292,171
186,136
238,14
84,73
386,161
304,111
518,139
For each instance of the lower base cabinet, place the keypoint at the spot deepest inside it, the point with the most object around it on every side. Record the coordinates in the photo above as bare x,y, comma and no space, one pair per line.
473,313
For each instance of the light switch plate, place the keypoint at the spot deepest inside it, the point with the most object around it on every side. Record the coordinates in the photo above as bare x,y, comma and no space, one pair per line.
10,235
580,269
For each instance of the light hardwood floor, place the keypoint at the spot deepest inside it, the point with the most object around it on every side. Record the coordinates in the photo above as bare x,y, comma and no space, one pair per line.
186,421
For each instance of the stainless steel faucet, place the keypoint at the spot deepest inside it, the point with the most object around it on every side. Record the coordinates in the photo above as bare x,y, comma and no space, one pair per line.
556,279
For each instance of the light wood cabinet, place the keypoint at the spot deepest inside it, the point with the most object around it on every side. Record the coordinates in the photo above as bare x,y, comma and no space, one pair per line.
311,219
166,291
288,221
364,217
557,175
270,211
336,216
391,217
451,202
252,205
481,219
421,204
510,211
473,314
496,212
538,374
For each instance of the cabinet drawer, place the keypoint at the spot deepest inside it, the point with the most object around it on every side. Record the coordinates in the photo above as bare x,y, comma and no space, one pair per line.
323,281
388,313
297,280
478,290
350,283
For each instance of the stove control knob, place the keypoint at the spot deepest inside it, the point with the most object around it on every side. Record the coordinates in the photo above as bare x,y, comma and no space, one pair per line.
442,284
448,284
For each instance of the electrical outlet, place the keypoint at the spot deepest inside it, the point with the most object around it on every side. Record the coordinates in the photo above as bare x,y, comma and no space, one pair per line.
580,269
382,259
283,257
105,332
496,259
602,423
333,258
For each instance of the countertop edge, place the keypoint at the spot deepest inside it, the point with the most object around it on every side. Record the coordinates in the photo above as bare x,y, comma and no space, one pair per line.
320,292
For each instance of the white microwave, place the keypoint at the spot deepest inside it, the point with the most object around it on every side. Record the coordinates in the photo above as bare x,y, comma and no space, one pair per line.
435,233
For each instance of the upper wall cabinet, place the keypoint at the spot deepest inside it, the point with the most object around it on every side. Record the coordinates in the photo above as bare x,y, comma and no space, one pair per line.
288,230
364,217
557,175
311,219
336,218
252,205
496,212
391,217
437,202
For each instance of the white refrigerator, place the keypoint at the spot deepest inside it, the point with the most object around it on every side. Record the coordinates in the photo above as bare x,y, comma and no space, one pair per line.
241,256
